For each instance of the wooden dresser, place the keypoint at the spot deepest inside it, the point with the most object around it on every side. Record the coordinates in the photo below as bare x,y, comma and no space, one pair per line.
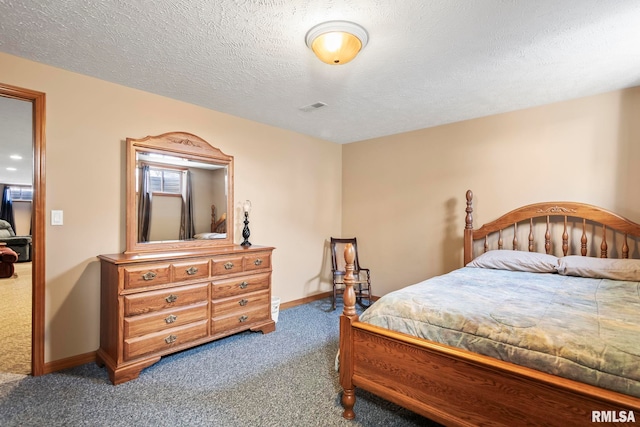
154,304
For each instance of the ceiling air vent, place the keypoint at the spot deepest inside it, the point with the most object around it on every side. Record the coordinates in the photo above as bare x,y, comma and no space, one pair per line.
312,107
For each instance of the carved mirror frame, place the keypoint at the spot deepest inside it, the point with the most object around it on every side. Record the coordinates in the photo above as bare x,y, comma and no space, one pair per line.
184,145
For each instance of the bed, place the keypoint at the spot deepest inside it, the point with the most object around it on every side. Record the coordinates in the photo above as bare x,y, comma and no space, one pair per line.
218,226
546,334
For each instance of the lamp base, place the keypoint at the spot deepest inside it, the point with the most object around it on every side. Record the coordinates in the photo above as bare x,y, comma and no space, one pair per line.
245,231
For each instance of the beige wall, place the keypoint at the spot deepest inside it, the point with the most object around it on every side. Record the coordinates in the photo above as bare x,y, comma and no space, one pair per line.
293,181
403,195
165,218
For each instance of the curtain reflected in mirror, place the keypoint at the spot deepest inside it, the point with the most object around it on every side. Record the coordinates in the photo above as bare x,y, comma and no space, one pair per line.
6,209
187,227
144,204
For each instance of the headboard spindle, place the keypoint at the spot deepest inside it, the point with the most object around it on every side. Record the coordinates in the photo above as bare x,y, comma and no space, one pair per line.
565,238
530,234
547,238
583,239
603,245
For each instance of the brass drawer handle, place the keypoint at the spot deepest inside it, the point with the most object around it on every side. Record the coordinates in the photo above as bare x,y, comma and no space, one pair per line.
243,319
170,339
258,262
244,285
228,265
191,271
171,318
150,275
243,302
171,298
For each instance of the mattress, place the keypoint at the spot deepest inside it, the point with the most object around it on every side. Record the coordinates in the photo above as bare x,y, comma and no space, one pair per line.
582,328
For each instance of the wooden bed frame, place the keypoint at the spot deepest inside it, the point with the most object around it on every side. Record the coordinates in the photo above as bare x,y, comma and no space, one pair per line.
455,387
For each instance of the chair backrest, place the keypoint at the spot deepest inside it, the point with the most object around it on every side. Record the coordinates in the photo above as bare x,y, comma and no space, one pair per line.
337,253
5,229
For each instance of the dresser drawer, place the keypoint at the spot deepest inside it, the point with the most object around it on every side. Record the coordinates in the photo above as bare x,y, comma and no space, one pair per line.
165,340
257,261
240,285
155,322
240,319
240,303
226,265
190,270
146,302
150,275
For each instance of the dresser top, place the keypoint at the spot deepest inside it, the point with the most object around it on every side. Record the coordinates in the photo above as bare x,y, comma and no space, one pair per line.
130,258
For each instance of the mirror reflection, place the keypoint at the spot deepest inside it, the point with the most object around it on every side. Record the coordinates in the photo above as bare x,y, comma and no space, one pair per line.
180,198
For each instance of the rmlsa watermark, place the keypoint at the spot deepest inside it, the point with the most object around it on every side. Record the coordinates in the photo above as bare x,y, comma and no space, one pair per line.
613,417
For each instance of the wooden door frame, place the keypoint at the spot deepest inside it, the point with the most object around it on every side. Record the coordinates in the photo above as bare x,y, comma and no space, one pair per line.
37,222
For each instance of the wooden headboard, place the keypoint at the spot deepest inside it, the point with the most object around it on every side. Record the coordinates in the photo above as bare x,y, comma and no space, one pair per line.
218,225
585,221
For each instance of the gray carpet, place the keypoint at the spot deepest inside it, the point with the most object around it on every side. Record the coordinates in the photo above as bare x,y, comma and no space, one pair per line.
286,378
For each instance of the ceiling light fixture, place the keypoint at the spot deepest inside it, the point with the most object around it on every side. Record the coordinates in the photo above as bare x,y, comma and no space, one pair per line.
337,42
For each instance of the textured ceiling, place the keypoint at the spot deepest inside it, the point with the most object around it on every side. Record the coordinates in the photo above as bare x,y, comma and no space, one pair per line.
427,62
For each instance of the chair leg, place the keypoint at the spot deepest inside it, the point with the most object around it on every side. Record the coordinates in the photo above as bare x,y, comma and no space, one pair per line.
360,296
333,300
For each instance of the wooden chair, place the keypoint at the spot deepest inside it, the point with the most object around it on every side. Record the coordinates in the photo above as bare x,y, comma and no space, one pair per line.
362,275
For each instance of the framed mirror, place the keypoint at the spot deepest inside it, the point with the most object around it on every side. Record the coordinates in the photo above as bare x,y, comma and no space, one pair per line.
179,194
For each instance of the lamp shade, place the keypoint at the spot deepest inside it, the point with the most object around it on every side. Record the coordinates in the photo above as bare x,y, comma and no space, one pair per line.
337,42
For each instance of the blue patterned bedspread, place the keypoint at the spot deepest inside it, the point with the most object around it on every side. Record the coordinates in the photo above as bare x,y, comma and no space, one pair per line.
579,328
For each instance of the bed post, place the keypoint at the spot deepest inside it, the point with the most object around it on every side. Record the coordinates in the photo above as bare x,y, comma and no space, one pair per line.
346,340
468,230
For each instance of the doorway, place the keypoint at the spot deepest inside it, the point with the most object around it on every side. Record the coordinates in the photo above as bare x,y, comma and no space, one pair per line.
35,103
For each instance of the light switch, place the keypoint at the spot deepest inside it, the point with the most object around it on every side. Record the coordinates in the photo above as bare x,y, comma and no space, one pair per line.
56,217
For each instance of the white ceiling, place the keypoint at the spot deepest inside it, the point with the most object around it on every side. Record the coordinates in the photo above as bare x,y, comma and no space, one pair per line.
16,142
427,62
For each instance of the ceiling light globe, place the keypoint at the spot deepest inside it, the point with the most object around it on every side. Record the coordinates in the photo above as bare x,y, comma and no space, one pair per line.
337,42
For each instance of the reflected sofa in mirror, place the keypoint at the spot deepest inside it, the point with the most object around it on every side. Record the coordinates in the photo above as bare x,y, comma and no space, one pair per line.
179,194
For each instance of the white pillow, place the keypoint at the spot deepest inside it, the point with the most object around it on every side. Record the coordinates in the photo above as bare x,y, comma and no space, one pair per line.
210,236
600,268
503,259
